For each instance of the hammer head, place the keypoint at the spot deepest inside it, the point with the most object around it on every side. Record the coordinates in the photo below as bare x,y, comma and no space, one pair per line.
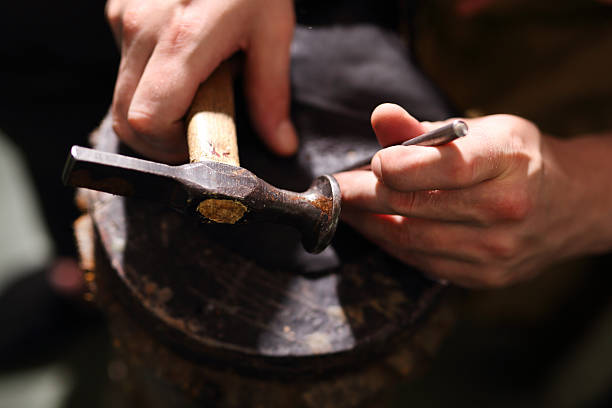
215,192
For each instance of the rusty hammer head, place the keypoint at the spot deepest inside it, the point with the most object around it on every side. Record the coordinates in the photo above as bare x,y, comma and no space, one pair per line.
216,192
213,186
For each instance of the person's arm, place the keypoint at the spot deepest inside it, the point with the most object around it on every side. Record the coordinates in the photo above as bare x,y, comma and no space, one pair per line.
169,47
487,210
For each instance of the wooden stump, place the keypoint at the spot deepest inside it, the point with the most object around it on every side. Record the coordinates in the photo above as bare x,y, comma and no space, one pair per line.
200,324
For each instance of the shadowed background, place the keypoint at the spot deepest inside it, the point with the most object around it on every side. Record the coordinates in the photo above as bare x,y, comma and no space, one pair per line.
543,343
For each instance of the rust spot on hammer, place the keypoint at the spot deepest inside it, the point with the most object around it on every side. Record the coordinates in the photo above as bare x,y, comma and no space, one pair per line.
222,211
324,204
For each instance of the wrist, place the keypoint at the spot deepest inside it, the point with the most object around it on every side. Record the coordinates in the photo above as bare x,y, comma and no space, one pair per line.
582,169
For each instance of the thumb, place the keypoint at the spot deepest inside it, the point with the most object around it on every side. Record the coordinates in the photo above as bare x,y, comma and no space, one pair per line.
267,86
393,125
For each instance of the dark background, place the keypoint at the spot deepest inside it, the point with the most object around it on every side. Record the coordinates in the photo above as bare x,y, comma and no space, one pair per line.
57,72
548,61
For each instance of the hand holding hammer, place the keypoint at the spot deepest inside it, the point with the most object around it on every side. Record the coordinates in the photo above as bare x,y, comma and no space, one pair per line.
213,185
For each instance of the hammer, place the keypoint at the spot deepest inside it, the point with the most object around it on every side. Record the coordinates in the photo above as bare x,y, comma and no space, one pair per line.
213,185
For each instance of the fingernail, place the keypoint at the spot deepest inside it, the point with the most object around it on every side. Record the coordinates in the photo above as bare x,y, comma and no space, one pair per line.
286,141
376,166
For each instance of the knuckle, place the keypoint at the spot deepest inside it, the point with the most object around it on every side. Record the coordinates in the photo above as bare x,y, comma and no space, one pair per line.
117,118
121,128
131,23
118,127
511,204
112,13
521,123
510,121
519,207
401,203
514,205
518,128
140,122
182,33
501,247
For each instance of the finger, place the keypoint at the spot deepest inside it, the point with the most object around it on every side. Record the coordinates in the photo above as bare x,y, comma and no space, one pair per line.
267,82
465,274
462,163
135,26
440,239
159,103
133,62
478,205
131,22
182,59
439,262
113,11
393,125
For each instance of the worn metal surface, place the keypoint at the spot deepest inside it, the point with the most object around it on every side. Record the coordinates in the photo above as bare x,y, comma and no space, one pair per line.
188,188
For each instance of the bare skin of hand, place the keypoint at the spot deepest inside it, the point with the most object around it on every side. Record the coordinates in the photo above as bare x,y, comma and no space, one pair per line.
169,47
487,210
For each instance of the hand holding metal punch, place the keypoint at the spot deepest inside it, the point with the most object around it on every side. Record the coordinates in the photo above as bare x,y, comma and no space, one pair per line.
437,137
442,135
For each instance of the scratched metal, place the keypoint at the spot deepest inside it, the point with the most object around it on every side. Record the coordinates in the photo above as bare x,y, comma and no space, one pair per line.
315,212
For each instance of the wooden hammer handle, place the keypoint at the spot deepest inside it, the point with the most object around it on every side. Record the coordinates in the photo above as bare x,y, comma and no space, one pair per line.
211,130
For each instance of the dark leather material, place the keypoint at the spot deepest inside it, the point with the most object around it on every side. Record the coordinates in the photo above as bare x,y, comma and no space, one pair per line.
339,75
